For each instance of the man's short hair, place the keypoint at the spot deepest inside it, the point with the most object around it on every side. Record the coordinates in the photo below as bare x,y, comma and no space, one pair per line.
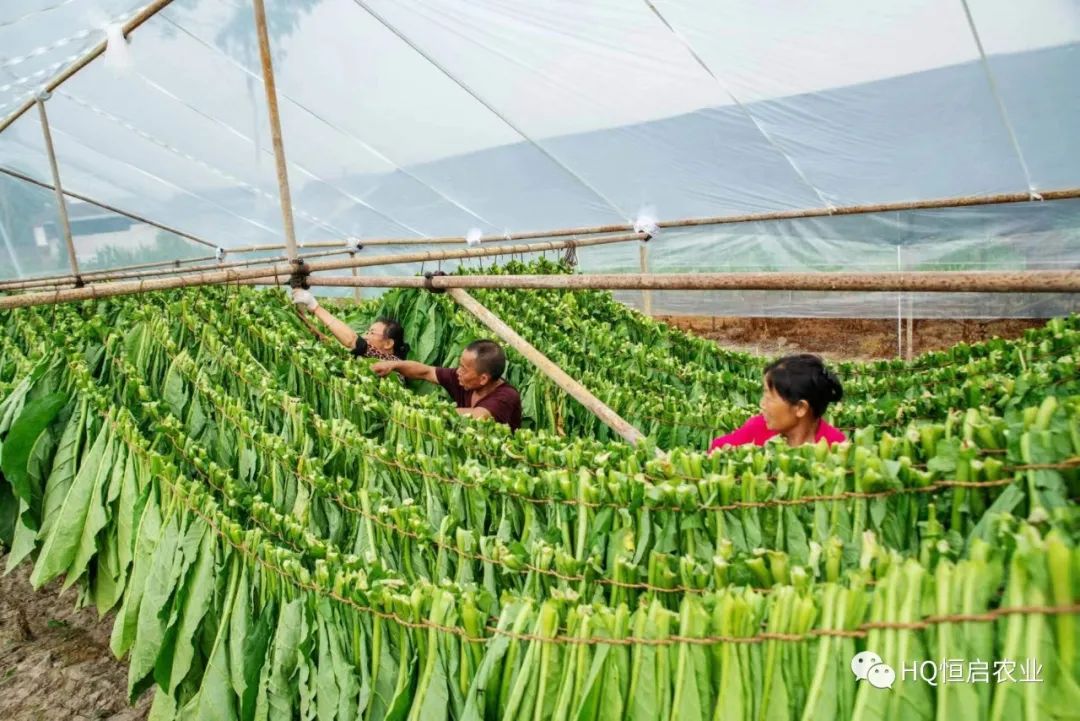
490,358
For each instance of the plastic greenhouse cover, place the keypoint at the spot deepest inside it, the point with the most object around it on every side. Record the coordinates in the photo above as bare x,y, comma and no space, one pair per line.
410,118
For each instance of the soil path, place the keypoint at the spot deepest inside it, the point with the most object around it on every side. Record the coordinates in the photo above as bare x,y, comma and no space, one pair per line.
55,661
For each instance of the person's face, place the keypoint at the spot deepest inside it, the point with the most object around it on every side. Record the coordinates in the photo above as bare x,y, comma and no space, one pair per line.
375,335
469,379
780,415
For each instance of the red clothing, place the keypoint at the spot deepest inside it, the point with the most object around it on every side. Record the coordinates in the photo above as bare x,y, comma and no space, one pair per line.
503,403
755,431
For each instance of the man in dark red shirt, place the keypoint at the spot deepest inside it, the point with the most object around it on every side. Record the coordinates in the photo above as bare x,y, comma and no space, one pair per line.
476,385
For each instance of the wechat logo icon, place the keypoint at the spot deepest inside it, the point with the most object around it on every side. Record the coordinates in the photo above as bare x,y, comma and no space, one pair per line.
868,666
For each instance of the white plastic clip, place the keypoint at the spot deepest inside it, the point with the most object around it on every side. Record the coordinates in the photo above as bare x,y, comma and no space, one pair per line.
646,222
1034,194
117,55
219,254
353,244
473,236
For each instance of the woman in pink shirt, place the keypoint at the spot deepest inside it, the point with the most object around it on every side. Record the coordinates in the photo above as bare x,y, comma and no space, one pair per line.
797,390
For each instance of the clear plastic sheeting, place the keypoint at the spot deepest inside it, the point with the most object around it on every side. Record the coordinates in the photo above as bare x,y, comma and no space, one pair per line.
1032,236
420,118
32,241
814,304
40,38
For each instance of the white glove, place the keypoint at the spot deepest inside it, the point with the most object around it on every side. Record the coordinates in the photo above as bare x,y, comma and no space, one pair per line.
304,298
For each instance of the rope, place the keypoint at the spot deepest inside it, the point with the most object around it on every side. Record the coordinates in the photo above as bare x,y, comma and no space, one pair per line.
303,318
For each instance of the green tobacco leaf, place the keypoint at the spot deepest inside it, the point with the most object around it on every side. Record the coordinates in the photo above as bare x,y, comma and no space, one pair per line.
24,539
64,467
326,694
282,690
147,537
174,391
65,538
215,700
96,515
12,406
352,692
153,610
198,593
127,519
35,417
253,664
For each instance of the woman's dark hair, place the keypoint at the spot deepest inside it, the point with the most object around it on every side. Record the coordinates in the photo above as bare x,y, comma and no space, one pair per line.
394,331
804,377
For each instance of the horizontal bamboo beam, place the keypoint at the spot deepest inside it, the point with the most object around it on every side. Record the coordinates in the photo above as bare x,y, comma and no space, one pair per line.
107,290
120,273
62,279
438,240
110,208
132,24
560,377
931,204
1035,281
112,275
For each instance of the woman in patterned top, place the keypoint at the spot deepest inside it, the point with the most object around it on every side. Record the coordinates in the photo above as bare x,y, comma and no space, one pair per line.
384,339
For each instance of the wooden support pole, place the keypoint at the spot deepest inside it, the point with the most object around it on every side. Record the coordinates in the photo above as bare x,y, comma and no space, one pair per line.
283,271
646,295
275,129
1036,281
560,377
911,327
133,23
61,204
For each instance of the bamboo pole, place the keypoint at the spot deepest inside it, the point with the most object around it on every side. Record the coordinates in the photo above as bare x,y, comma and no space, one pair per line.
104,206
646,296
560,377
911,327
61,204
63,281
275,129
110,276
55,281
931,204
1036,281
130,26
279,271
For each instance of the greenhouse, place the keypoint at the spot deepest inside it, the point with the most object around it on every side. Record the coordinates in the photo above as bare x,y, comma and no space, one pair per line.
755,325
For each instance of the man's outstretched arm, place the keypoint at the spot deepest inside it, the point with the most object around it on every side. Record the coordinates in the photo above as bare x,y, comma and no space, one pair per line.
413,370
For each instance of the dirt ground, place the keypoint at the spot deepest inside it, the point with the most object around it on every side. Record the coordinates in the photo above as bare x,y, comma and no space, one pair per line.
55,662
842,338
